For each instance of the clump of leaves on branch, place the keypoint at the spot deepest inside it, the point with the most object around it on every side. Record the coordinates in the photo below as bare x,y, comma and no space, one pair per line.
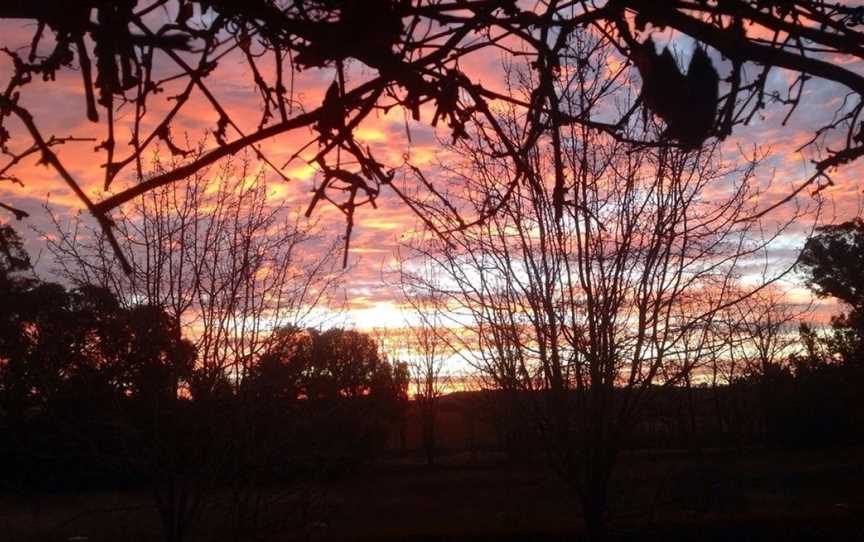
160,58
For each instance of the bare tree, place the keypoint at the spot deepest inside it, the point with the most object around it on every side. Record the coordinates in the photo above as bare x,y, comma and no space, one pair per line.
161,59
758,335
229,267
428,350
225,261
585,300
769,325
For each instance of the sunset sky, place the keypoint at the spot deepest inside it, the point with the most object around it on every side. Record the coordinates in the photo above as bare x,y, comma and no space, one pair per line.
531,269
371,301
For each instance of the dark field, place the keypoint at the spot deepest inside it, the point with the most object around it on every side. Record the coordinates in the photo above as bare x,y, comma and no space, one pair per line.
720,495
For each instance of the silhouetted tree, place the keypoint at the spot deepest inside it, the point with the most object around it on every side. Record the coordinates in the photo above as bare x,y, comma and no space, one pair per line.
814,401
226,263
13,257
757,336
165,60
832,261
426,347
428,382
588,304
85,380
339,379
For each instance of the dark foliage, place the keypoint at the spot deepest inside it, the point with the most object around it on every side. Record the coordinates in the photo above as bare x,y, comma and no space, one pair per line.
815,401
129,54
832,261
97,395
338,384
815,404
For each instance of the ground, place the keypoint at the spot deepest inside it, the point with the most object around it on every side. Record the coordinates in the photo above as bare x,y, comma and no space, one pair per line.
715,495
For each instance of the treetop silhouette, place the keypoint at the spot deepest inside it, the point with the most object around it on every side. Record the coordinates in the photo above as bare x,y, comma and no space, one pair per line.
129,53
832,259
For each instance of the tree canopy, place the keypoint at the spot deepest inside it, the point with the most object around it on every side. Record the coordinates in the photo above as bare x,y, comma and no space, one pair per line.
157,59
56,343
329,365
833,259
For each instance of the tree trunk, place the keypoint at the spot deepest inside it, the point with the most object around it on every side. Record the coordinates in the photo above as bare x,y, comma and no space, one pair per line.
595,494
594,510
429,435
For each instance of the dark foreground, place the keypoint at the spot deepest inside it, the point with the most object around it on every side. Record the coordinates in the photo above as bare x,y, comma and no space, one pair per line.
721,495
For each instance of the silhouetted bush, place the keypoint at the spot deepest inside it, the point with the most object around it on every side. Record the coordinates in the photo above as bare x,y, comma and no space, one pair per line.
817,405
